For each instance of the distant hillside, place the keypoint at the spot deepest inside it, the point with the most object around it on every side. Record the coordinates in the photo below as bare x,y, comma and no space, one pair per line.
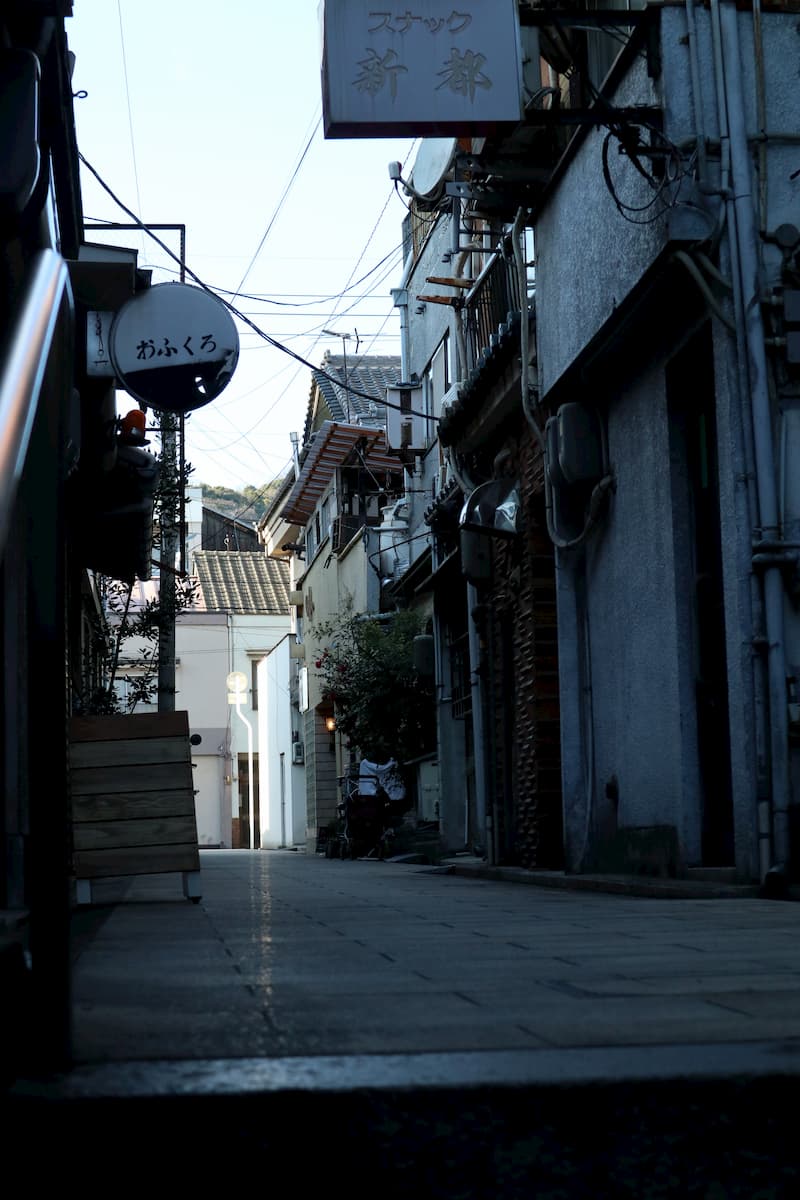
248,505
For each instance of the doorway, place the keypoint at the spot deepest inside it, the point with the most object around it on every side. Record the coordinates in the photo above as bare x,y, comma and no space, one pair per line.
695,470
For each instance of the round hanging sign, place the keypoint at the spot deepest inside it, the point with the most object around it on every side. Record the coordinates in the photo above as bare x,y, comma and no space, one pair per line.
174,347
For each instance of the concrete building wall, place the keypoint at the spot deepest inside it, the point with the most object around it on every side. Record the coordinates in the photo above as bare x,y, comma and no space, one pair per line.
585,248
630,745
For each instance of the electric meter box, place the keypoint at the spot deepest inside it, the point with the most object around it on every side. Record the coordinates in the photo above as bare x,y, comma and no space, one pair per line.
579,444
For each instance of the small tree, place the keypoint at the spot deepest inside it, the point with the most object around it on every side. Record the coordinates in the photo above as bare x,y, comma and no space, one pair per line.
382,705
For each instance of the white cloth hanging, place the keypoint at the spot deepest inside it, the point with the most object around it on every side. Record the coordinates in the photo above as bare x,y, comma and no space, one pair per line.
372,775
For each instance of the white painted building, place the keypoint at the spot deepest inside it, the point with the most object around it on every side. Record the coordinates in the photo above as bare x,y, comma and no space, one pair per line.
281,758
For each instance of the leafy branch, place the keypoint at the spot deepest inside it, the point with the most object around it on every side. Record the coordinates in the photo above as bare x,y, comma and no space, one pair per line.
382,705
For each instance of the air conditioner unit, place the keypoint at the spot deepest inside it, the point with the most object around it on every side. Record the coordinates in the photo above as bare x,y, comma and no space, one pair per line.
450,398
298,753
406,429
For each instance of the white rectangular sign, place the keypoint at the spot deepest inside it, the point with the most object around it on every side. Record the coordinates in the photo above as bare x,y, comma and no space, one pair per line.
428,68
98,329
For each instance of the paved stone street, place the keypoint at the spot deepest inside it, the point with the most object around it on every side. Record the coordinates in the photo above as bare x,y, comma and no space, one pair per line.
290,954
405,1031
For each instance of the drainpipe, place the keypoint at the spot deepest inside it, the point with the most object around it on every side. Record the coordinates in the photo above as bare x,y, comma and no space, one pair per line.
750,515
744,248
294,438
478,720
400,301
697,94
478,687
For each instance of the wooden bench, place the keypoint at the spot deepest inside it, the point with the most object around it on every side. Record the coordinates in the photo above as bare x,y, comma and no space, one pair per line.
132,795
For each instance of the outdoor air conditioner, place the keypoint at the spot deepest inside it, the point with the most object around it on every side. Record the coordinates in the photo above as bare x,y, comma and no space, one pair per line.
450,398
406,429
298,753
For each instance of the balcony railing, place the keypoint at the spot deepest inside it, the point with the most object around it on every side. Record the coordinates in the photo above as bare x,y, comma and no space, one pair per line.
487,305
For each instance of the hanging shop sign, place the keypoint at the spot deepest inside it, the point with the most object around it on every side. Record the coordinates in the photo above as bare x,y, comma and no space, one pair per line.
174,347
420,69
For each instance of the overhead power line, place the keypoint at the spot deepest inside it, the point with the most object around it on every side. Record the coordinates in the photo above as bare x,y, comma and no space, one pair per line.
319,371
280,204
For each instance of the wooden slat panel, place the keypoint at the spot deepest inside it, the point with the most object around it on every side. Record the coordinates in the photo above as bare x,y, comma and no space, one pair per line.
132,793
152,777
129,806
135,725
144,860
136,751
108,835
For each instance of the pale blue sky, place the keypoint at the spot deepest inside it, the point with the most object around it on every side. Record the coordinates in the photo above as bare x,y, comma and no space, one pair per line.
198,113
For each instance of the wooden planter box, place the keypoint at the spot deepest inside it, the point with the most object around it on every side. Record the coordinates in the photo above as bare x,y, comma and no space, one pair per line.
132,794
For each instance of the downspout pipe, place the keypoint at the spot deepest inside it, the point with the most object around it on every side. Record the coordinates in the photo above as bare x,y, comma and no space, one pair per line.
747,253
749,507
478,686
400,301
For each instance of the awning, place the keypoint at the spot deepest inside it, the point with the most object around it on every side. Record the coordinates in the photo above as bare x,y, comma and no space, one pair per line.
332,445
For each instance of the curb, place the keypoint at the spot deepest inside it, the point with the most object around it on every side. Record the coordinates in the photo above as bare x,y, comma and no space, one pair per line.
621,885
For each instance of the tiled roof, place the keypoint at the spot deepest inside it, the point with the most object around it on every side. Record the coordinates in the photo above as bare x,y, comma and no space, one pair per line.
242,582
370,373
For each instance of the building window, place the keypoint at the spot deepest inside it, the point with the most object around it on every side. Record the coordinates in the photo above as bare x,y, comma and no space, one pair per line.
460,681
254,684
436,380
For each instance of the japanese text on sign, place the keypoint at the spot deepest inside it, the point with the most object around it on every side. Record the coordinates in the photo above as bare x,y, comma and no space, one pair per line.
147,347
462,73
429,67
457,22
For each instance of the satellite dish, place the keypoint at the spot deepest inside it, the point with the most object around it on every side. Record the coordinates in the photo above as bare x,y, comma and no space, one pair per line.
434,160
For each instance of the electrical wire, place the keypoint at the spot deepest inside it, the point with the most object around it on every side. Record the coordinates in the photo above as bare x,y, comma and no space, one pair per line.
625,130
266,298
369,240
319,371
264,491
350,283
130,111
280,204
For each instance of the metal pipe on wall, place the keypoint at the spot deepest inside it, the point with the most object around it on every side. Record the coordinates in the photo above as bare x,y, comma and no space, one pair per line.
745,245
729,263
478,715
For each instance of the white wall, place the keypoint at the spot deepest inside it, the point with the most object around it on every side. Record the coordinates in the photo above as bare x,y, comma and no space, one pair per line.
201,651
281,783
251,637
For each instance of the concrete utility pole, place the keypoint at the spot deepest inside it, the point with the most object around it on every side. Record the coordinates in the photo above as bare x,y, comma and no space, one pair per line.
171,478
170,518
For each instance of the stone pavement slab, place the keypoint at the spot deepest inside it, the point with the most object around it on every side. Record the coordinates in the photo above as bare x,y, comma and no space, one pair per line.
297,954
395,1031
